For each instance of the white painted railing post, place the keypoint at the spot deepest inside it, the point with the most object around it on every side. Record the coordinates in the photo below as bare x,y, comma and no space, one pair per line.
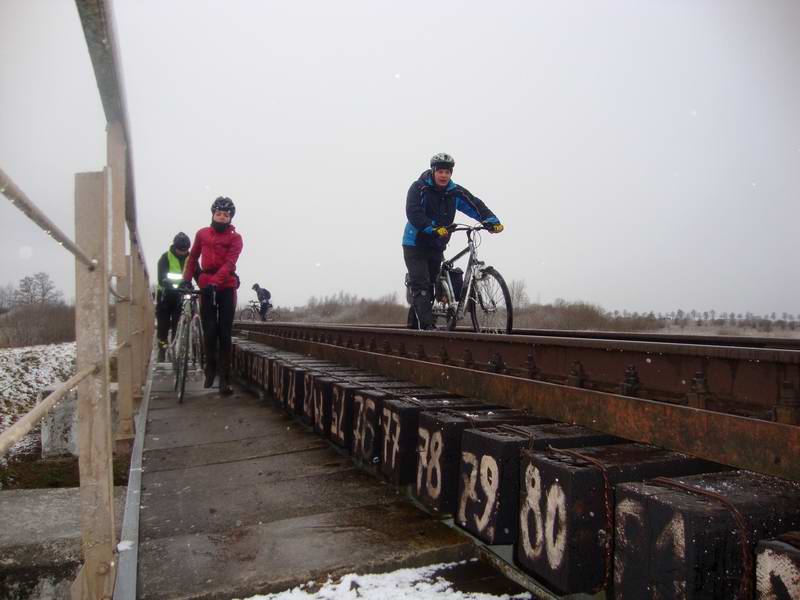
96,578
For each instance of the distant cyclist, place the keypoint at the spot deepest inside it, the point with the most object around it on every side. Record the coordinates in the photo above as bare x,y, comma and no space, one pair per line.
263,300
168,298
431,205
217,247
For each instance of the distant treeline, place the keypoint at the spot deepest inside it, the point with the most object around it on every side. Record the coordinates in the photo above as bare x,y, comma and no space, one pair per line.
34,313
561,314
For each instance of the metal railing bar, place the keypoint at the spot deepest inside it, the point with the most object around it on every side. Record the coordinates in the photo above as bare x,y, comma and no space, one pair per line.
100,31
127,563
115,352
16,432
116,294
18,198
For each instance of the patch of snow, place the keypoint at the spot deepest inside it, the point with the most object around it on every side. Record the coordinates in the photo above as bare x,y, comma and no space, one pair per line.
124,545
421,583
24,373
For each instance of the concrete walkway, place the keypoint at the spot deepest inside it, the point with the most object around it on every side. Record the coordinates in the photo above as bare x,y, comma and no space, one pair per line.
238,499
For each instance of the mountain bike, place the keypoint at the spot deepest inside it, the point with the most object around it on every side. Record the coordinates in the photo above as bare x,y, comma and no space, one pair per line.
188,342
481,290
253,312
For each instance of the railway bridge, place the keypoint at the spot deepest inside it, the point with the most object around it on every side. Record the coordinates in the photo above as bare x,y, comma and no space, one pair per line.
565,464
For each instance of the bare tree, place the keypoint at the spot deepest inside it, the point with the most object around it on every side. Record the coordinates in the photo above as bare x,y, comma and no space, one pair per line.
519,293
46,291
37,289
6,298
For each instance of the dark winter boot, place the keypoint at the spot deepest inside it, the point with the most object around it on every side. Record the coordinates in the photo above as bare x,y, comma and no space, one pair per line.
225,376
225,388
162,353
211,373
423,306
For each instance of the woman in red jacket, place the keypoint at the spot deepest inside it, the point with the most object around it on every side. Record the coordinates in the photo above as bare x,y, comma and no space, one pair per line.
218,248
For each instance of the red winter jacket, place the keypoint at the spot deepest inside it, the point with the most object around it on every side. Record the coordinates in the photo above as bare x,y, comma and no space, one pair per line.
218,254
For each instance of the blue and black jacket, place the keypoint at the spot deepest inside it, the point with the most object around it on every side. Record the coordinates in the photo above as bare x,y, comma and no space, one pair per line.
428,207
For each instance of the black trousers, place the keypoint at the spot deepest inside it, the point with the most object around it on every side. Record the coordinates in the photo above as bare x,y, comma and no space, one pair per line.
168,311
263,310
216,313
423,266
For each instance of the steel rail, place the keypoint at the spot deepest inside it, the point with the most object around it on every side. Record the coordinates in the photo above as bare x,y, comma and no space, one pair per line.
756,382
761,446
19,199
778,343
752,342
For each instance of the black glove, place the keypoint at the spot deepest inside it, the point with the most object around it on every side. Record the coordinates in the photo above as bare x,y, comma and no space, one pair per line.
186,285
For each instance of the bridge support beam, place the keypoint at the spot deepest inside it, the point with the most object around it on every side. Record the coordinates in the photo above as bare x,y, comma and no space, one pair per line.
96,577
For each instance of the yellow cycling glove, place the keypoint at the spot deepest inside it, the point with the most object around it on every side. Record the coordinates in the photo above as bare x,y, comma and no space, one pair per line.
441,231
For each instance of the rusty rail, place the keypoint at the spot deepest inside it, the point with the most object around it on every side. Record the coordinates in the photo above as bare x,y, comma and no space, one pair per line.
760,383
759,445
654,336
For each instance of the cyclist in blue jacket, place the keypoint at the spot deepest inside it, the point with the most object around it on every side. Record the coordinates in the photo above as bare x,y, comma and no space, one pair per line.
431,205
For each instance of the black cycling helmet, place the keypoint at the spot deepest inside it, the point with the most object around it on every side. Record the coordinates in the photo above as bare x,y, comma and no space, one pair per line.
442,160
224,204
255,286
181,241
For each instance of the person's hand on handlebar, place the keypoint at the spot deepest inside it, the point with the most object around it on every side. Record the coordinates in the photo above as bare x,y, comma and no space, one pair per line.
493,227
186,285
442,231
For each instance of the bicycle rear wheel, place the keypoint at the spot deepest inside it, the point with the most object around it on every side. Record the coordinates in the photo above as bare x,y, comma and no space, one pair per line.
490,304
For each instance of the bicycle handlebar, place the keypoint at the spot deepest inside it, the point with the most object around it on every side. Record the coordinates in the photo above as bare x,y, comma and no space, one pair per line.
462,227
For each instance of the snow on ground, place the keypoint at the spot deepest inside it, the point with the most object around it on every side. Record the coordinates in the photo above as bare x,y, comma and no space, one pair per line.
24,373
422,583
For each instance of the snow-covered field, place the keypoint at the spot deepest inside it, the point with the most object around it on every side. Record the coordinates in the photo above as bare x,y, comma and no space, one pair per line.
422,583
24,373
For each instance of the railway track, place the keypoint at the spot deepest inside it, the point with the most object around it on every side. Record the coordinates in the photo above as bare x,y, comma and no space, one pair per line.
669,338
754,381
597,492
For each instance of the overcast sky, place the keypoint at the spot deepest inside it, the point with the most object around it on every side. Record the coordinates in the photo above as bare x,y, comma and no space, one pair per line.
642,154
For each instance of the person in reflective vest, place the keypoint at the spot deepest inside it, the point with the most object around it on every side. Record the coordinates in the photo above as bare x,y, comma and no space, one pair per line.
168,298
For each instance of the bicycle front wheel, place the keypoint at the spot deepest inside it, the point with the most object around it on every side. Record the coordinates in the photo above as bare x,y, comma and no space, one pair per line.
175,349
247,314
183,362
198,344
490,303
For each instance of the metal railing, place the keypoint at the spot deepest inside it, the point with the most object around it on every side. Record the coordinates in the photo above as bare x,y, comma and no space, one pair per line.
104,200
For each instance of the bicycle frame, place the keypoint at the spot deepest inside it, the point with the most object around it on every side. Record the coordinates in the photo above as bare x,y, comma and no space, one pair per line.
472,272
189,308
